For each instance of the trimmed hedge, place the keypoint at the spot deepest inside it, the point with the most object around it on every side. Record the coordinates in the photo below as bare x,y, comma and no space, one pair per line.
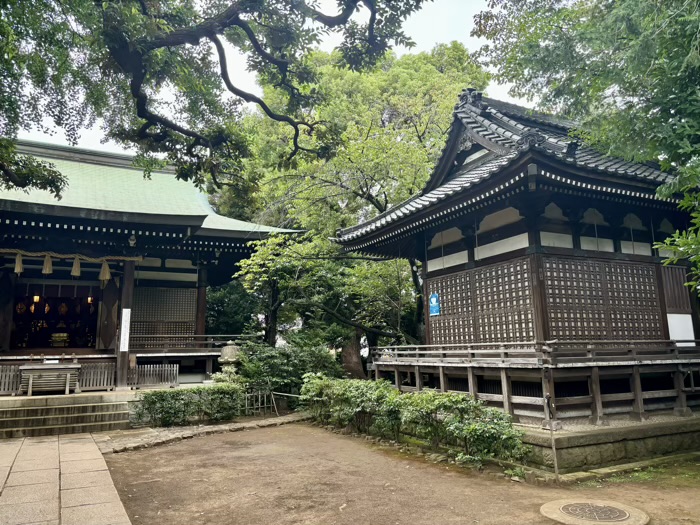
183,406
441,419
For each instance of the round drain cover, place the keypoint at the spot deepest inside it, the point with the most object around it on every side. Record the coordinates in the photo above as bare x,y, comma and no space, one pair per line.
572,512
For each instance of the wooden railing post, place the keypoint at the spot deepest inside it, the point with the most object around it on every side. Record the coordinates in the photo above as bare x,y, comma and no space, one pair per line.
638,403
597,416
506,391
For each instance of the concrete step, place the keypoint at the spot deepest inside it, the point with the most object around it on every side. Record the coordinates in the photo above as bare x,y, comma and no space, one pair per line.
64,420
59,410
51,430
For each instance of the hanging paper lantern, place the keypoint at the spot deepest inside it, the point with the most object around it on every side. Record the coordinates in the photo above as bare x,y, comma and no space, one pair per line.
105,274
75,271
48,266
19,265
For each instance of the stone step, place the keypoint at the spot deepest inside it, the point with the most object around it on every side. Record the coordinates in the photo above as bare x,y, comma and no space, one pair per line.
51,430
67,419
60,410
63,400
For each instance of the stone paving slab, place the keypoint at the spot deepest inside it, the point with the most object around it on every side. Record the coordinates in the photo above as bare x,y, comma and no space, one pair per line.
99,514
29,493
85,479
57,480
32,477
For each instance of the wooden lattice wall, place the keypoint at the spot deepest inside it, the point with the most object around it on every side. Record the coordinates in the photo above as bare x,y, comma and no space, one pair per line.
589,299
164,311
488,304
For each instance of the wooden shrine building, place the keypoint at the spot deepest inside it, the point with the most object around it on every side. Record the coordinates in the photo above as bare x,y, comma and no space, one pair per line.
544,283
116,270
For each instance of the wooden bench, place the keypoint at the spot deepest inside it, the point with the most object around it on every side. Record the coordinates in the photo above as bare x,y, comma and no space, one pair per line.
49,377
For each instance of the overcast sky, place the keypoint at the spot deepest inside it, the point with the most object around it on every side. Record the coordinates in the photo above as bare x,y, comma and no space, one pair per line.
440,21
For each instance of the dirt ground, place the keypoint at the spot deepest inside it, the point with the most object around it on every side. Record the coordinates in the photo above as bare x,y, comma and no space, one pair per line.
301,474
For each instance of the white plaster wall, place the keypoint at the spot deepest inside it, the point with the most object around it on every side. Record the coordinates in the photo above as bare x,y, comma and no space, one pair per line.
680,326
597,245
556,240
636,248
448,260
503,246
499,219
446,237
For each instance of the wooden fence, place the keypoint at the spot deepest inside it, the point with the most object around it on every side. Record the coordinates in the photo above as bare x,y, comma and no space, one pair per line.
97,376
10,378
153,375
258,403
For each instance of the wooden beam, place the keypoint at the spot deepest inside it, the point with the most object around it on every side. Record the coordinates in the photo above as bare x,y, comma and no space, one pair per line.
443,379
419,378
397,378
597,417
638,401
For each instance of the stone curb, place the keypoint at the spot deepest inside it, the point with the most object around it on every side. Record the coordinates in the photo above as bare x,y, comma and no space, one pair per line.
206,430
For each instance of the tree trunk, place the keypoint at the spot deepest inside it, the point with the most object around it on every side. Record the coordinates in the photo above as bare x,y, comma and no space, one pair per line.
272,314
351,358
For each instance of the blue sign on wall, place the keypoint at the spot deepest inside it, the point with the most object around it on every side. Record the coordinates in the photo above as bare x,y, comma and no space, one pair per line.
434,304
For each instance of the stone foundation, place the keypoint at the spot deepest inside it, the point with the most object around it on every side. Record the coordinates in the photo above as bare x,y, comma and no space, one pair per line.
601,447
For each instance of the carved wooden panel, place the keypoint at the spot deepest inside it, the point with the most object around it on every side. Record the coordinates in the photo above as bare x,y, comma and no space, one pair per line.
589,299
488,304
676,292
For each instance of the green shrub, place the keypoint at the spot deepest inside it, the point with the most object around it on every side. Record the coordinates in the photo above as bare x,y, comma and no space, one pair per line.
439,418
182,406
283,368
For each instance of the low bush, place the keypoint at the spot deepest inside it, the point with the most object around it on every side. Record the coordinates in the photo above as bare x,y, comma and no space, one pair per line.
183,406
453,419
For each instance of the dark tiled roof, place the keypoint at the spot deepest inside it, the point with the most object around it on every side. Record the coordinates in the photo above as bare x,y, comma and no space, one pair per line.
506,130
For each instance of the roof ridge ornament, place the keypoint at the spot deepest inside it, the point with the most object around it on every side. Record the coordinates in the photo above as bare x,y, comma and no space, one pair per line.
531,138
474,98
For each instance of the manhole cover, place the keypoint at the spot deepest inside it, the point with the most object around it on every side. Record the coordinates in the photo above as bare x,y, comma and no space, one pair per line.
586,512
592,512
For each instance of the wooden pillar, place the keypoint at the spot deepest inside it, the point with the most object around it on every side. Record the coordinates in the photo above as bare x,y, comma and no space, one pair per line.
681,408
209,366
471,379
200,327
7,303
127,300
506,390
597,416
443,379
638,403
377,373
419,378
397,378
549,399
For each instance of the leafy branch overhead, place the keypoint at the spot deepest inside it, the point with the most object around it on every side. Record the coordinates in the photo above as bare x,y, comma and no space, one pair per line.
158,74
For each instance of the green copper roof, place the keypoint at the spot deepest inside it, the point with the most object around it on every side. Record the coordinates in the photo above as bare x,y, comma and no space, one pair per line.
107,187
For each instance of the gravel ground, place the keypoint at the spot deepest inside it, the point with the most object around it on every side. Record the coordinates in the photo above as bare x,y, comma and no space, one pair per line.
301,474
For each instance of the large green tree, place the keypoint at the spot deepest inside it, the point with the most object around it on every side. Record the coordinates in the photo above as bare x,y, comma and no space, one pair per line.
156,74
385,128
628,69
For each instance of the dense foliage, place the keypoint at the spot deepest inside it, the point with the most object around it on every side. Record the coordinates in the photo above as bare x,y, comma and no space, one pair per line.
282,368
155,74
183,406
628,69
440,418
386,128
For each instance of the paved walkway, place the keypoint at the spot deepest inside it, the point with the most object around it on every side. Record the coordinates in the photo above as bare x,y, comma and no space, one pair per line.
57,480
